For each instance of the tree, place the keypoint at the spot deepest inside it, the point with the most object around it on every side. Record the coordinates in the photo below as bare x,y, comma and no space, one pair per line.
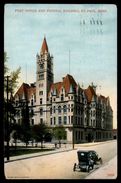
59,133
10,83
14,76
39,132
25,123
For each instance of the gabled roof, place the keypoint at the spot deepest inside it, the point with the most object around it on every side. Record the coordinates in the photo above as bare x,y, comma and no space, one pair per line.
67,82
25,90
89,92
44,46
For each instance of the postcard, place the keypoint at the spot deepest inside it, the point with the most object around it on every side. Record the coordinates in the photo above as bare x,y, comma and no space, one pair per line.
60,91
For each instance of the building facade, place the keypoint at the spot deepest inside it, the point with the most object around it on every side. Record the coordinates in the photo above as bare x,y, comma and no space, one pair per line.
85,115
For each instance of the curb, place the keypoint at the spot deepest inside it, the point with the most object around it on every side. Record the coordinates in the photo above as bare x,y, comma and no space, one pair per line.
34,156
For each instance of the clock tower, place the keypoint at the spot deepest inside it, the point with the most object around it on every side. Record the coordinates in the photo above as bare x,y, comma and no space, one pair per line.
44,78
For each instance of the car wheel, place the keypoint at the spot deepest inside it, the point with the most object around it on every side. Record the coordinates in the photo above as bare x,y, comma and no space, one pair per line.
92,167
101,161
74,168
88,169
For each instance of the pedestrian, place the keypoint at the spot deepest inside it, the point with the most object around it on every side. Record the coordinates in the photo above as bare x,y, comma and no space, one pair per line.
55,145
59,144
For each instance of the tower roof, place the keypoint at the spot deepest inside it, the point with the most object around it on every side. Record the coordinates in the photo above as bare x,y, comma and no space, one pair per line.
44,46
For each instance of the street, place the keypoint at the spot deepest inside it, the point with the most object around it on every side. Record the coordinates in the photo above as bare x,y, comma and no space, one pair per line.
59,165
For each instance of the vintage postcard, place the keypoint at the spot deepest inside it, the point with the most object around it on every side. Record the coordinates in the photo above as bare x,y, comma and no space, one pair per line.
60,91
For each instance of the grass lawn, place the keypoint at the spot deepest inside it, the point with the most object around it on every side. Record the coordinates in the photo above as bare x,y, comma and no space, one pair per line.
22,151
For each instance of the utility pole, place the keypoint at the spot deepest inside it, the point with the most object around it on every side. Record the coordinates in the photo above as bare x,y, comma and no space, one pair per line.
73,130
7,148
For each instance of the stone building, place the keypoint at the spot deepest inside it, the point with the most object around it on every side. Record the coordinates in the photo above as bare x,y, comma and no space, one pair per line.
85,115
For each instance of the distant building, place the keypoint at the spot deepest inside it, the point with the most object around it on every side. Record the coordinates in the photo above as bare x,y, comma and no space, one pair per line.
65,103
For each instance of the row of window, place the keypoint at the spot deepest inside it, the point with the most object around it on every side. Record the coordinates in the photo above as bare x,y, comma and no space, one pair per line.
31,102
61,120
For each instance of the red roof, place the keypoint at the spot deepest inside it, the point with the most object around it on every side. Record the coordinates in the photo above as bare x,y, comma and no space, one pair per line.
66,83
44,46
25,90
89,92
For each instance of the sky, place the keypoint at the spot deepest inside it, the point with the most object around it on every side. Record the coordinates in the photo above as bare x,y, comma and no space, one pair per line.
82,39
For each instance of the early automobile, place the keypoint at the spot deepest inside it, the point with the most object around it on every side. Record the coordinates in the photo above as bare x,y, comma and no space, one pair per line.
87,160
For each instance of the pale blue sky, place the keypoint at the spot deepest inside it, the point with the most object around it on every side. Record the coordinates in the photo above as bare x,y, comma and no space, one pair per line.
93,47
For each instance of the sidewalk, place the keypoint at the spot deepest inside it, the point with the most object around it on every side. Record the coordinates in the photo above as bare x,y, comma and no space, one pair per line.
33,155
63,148
106,171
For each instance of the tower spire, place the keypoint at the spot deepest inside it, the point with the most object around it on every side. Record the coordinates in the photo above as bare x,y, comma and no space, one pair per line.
44,46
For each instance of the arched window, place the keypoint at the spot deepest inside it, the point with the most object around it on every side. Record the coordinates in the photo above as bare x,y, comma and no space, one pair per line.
59,109
64,108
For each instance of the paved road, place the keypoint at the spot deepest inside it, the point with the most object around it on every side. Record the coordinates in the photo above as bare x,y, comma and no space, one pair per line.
57,166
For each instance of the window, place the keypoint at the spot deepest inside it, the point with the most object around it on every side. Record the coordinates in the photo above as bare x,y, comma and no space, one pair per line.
79,134
41,120
40,100
32,102
41,76
59,109
50,99
78,110
65,120
50,110
64,108
76,120
51,122
32,112
59,120
40,92
54,120
41,111
41,66
68,108
62,98
54,109
71,107
32,121
82,135
34,98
